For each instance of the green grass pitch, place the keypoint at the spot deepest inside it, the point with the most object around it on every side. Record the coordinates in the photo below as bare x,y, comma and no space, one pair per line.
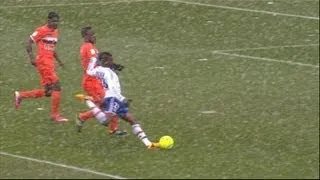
235,85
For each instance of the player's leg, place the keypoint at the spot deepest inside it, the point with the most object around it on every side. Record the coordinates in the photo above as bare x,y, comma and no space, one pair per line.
36,93
136,127
52,89
113,122
94,110
138,131
106,119
19,95
96,91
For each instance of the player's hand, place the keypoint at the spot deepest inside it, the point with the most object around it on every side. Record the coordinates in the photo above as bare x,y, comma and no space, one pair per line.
61,65
117,67
33,62
127,102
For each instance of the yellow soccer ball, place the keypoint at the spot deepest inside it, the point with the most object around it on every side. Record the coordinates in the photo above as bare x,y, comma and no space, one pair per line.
166,142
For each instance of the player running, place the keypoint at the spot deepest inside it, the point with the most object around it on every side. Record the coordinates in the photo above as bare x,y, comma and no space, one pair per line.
114,103
46,38
91,85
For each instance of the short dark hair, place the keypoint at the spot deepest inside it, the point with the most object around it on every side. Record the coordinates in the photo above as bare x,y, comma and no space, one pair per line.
52,15
85,30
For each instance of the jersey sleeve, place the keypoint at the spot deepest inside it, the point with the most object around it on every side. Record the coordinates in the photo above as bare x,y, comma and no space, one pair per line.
120,96
92,71
38,34
87,53
83,54
91,52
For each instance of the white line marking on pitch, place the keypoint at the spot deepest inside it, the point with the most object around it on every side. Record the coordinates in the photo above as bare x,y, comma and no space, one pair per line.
62,165
177,1
267,59
208,112
267,47
247,10
72,4
157,67
203,59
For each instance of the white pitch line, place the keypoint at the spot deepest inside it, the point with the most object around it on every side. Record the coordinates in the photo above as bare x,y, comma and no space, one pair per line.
157,67
268,59
247,10
267,47
203,59
47,5
72,4
62,165
208,112
177,1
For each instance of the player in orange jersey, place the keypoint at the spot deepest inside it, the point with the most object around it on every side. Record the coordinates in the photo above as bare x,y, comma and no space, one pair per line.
46,38
91,85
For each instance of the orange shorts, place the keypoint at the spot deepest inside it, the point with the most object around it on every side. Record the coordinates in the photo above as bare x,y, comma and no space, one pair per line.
48,74
94,89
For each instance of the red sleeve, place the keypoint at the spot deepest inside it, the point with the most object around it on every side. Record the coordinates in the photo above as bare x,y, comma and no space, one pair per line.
84,56
87,52
38,34
83,51
91,52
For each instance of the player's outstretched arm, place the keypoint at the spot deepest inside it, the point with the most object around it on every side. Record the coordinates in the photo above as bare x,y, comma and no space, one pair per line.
117,67
91,67
29,51
127,102
58,59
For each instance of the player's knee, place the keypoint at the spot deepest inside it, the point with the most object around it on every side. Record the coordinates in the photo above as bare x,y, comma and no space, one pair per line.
129,118
104,122
51,87
47,90
56,86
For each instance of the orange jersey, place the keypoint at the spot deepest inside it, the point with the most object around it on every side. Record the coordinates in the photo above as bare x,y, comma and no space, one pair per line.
87,52
46,40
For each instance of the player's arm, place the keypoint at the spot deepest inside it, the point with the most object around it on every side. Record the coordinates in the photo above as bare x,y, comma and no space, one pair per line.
55,54
29,50
91,70
127,102
36,36
122,98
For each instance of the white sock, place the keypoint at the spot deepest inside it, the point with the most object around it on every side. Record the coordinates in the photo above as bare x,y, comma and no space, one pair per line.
90,104
137,130
100,116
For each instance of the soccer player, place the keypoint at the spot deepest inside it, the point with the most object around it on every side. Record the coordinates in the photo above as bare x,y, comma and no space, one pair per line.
114,103
46,38
91,85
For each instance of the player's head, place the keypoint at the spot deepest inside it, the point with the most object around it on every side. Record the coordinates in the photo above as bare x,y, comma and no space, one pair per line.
88,34
105,59
53,20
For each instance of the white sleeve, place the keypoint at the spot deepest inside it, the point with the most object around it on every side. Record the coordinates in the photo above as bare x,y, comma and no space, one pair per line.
118,92
91,67
120,97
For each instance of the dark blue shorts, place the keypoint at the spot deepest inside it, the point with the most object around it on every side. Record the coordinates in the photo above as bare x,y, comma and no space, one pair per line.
115,106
